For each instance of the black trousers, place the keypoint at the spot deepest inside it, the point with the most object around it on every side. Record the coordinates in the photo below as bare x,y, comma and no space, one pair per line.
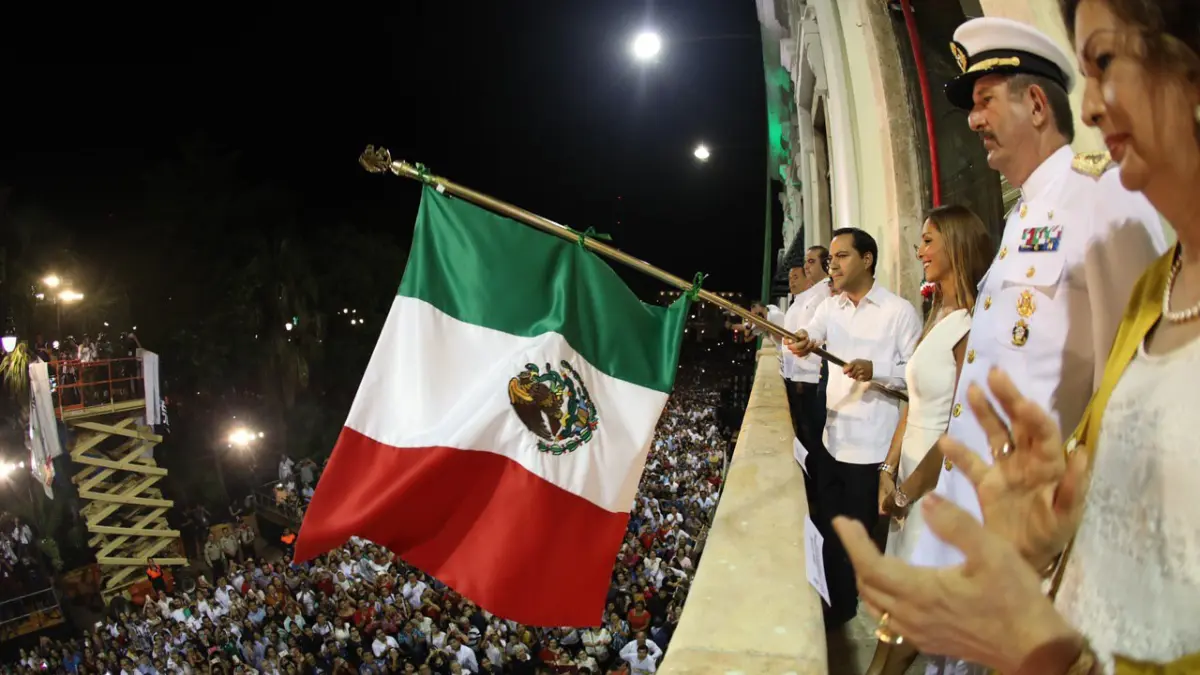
807,404
850,490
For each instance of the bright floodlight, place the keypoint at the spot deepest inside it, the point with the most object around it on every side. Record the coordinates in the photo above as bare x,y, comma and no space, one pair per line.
241,437
288,326
52,281
701,152
70,296
9,342
646,46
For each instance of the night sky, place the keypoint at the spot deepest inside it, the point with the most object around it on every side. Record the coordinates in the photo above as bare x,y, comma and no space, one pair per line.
535,102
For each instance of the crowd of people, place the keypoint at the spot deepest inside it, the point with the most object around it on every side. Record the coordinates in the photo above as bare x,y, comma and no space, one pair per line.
361,609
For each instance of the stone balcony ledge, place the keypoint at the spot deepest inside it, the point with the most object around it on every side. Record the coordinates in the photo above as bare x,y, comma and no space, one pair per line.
751,610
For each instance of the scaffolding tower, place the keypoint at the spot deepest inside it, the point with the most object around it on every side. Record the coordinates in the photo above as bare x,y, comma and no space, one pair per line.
103,405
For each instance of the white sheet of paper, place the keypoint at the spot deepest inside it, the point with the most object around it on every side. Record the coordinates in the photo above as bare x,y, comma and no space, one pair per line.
800,453
814,561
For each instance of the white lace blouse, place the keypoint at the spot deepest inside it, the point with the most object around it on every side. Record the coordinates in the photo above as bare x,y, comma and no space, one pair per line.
1132,584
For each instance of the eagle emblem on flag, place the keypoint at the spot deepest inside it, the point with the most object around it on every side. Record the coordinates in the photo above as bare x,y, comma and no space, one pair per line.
555,406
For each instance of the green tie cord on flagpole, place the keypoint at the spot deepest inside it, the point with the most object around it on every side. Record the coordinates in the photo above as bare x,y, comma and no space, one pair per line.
590,233
379,160
697,280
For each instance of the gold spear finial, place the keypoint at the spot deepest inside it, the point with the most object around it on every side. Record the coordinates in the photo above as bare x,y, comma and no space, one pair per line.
376,160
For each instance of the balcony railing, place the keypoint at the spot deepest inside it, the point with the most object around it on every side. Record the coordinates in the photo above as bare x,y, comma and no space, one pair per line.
78,385
29,613
750,609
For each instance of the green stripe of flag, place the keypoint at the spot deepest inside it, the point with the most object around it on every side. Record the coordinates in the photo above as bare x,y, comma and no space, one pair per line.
488,270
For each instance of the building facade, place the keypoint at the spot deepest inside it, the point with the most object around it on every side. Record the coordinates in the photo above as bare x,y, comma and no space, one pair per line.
853,148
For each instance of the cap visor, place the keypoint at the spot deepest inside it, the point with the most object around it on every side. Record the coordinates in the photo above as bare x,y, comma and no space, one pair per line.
961,90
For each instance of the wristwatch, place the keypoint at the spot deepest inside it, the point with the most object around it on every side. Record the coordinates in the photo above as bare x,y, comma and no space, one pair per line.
900,498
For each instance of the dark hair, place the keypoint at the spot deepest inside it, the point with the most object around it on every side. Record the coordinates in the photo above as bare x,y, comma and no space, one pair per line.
824,253
969,248
1060,103
861,242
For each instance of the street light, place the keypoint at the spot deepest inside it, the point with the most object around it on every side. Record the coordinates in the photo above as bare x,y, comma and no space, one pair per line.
242,437
70,296
9,340
646,46
52,281
702,153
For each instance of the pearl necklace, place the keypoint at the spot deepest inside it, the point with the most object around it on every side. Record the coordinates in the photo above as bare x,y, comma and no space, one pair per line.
1183,315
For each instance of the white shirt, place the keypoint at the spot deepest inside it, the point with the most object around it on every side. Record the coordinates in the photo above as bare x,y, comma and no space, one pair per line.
629,651
883,329
799,315
412,593
381,645
1048,317
466,658
641,666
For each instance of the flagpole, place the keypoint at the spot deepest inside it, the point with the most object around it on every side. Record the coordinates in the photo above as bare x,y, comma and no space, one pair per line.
379,160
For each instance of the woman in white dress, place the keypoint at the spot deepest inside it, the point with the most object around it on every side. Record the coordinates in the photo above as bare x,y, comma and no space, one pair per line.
955,252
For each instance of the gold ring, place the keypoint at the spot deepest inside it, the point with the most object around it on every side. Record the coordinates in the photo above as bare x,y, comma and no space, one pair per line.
1004,451
886,636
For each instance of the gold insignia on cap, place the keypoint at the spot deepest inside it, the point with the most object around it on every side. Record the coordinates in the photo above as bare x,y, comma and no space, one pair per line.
1092,164
1003,252
988,64
960,56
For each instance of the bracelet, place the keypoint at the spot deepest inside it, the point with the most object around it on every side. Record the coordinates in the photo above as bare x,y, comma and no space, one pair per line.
888,469
1086,664
1048,571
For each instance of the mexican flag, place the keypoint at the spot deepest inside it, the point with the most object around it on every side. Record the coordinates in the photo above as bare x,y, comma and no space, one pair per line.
501,428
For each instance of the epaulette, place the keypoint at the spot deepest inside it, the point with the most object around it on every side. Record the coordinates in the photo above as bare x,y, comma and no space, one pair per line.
1092,164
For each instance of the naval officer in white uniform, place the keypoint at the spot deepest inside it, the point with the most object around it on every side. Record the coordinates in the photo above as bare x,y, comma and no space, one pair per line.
1071,250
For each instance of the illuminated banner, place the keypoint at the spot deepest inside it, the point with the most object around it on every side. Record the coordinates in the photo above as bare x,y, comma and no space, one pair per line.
43,427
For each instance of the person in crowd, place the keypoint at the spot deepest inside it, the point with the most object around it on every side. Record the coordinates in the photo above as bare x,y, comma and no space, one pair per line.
879,330
1123,589
955,251
1070,253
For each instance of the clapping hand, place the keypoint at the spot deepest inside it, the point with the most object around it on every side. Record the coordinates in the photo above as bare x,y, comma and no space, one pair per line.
989,610
1032,494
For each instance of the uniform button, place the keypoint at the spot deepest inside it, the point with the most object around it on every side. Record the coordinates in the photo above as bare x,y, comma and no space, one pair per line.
957,409
971,356
1003,252
1030,272
987,303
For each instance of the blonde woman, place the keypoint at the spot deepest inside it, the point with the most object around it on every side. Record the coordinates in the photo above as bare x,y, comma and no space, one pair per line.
1128,593
955,252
